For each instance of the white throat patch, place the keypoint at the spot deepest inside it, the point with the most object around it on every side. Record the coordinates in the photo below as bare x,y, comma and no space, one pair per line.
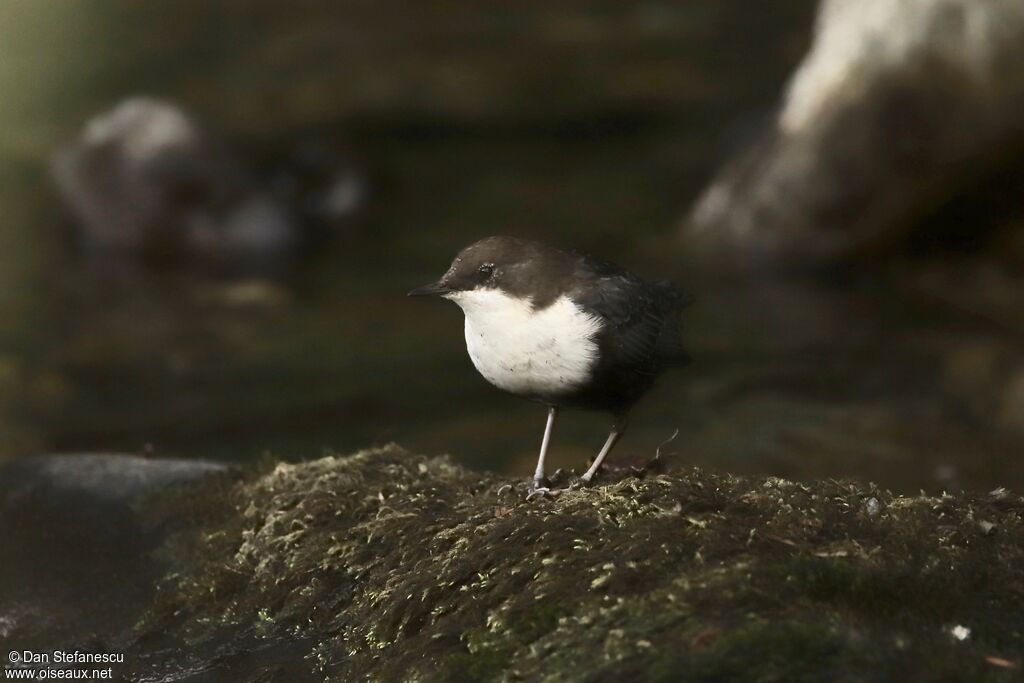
526,351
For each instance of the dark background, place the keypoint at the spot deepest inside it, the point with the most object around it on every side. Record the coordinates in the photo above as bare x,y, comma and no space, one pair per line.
586,124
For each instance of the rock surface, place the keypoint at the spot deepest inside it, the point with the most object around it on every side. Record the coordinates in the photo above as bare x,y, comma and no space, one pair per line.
387,565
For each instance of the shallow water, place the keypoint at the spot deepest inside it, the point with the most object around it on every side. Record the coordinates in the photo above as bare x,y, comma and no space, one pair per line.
873,379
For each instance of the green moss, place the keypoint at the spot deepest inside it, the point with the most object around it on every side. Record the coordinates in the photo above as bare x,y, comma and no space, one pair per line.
395,566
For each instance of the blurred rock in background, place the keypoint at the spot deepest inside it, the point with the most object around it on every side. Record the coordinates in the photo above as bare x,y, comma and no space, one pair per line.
899,107
147,180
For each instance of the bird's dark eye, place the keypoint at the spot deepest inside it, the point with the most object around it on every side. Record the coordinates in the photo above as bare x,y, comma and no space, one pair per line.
487,269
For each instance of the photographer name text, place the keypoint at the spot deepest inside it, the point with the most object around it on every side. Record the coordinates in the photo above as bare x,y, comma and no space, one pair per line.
64,657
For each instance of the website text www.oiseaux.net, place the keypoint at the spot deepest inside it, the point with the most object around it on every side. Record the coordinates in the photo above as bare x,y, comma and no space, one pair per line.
58,665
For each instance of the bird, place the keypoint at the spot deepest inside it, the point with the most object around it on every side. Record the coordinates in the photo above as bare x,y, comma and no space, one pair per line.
564,329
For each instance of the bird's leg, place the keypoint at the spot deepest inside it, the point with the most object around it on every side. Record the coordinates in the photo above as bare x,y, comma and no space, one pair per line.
621,422
539,481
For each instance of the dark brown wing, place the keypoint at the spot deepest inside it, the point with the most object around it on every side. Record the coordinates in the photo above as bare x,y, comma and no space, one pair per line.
644,327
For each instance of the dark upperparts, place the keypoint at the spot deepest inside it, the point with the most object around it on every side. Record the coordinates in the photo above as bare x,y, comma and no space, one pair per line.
529,269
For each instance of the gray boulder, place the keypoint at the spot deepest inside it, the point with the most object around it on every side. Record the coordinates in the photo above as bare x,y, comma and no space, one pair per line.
896,108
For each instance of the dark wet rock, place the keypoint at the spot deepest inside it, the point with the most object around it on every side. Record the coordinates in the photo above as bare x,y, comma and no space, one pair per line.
147,179
897,109
386,565
78,536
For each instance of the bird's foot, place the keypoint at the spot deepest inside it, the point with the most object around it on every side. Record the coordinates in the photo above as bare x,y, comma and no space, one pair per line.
584,482
541,488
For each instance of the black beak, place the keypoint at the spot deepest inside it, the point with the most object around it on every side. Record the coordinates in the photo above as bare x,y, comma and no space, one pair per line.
432,288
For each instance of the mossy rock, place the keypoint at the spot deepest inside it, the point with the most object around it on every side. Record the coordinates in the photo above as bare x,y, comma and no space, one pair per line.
386,565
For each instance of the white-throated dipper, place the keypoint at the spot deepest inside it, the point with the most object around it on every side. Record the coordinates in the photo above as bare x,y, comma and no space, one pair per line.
564,329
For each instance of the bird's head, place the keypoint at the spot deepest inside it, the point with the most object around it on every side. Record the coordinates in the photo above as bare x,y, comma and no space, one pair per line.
517,267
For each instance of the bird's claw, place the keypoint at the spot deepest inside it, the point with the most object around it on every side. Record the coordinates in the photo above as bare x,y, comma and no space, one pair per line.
581,483
542,492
